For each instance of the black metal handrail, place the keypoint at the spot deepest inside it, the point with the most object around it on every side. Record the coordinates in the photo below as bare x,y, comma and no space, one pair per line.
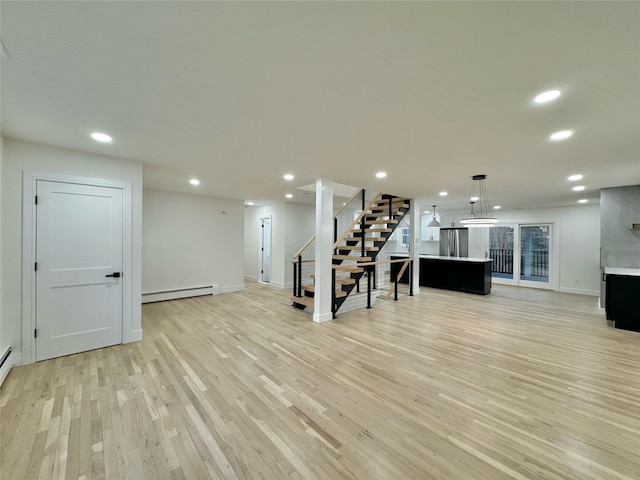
537,260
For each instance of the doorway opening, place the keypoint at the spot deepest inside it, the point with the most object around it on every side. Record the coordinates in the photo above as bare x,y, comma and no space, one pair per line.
522,254
264,250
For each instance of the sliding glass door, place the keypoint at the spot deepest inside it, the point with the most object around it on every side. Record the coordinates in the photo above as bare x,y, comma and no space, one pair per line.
501,252
522,254
535,249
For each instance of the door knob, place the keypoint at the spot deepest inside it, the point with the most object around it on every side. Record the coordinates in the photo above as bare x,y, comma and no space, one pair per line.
114,275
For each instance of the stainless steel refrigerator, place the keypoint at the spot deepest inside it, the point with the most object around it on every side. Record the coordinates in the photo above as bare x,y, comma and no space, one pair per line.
454,242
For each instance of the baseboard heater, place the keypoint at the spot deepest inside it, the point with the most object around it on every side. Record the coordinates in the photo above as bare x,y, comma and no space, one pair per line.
5,355
4,369
180,293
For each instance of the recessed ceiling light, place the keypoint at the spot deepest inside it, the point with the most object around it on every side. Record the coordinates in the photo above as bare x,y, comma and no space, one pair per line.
583,200
344,203
289,195
101,137
547,96
574,178
250,203
497,207
426,211
443,194
288,177
474,199
195,182
561,135
381,174
578,188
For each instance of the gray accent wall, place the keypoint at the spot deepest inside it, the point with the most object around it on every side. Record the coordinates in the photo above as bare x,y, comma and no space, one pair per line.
619,209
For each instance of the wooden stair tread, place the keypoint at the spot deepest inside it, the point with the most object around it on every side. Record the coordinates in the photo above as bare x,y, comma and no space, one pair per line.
304,300
383,221
383,213
348,268
352,257
341,280
374,238
394,200
358,247
372,230
312,288
381,206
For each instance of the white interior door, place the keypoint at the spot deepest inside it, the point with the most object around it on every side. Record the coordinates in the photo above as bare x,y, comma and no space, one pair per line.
79,254
265,250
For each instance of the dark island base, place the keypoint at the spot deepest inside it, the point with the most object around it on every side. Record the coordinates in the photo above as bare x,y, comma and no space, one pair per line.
458,274
623,301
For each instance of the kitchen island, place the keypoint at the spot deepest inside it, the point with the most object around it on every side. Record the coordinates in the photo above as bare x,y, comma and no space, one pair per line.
463,274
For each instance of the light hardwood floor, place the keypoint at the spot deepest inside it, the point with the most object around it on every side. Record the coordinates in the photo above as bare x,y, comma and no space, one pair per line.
520,384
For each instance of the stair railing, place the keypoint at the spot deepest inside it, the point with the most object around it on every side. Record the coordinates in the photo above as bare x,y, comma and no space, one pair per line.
351,217
394,280
358,213
344,220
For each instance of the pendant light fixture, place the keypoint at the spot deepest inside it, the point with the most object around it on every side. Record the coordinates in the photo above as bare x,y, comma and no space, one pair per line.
478,212
434,222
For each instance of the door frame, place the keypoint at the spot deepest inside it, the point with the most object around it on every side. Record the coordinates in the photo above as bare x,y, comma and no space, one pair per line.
554,258
29,185
516,250
552,284
260,246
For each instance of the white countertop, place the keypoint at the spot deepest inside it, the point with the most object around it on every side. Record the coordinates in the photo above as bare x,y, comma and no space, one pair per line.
455,259
633,272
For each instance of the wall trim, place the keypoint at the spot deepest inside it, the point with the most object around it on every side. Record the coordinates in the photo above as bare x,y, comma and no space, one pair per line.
232,288
317,318
580,291
14,359
250,278
133,336
164,295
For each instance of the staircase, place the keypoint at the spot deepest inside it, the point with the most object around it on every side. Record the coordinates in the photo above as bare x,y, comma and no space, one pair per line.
361,229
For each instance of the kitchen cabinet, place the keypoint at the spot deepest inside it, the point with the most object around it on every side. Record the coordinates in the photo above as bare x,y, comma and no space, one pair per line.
429,234
623,297
470,275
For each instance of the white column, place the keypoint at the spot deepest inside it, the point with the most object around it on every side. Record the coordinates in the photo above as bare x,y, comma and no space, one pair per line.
324,251
414,249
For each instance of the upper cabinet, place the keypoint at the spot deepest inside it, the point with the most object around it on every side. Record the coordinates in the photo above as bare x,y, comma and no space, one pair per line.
429,234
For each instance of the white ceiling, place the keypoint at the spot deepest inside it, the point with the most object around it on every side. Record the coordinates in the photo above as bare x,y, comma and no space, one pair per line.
239,93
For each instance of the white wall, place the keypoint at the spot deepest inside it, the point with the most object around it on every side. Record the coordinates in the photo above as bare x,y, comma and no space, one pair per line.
2,345
19,156
191,241
579,243
292,225
300,226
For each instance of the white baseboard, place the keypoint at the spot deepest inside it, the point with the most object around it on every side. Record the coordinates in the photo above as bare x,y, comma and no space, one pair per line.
14,359
135,336
232,288
251,278
180,293
579,291
322,318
